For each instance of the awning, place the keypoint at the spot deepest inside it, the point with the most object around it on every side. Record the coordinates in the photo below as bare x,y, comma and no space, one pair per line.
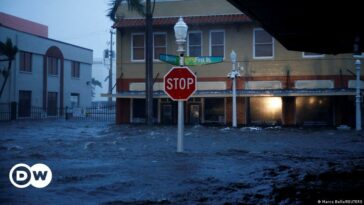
315,26
244,93
190,20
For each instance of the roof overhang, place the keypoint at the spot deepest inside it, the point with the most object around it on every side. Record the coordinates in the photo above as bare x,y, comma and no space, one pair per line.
244,93
190,20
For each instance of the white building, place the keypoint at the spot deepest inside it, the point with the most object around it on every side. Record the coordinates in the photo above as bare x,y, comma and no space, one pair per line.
100,72
46,73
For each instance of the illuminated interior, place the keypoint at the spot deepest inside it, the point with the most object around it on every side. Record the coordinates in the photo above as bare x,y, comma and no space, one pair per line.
266,110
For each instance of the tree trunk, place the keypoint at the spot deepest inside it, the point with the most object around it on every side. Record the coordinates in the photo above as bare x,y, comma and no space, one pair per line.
6,78
149,64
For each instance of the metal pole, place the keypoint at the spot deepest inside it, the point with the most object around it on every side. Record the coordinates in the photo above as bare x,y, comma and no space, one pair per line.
110,69
180,128
358,97
149,64
234,103
234,97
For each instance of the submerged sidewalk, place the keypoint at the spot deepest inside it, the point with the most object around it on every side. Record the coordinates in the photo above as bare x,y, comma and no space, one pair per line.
100,163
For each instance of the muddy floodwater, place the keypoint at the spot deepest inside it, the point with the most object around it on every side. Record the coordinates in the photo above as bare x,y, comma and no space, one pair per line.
103,163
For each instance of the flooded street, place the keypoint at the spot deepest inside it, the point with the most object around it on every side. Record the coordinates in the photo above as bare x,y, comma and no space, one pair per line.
101,163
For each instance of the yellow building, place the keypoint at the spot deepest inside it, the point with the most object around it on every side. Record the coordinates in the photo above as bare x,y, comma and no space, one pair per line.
276,86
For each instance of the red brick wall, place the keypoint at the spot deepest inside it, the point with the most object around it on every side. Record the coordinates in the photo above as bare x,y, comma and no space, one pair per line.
122,110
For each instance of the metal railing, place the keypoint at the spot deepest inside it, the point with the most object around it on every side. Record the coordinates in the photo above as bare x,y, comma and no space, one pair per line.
11,111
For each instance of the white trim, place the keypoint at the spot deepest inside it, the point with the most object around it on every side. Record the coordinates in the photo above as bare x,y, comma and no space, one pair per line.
166,46
132,47
312,56
217,30
262,57
188,41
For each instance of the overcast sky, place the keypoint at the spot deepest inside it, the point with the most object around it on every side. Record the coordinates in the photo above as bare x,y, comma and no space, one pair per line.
79,22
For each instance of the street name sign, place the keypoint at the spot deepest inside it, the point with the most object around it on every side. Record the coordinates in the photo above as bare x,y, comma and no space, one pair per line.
191,61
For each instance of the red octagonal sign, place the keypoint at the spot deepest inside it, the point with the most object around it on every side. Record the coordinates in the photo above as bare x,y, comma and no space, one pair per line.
180,83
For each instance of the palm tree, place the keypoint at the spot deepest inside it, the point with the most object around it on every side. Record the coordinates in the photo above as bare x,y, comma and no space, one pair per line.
8,50
94,83
147,12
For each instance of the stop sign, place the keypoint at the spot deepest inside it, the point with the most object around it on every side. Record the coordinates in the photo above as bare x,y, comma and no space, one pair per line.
180,83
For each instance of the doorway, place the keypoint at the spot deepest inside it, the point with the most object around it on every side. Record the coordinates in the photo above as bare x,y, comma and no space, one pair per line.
167,114
194,114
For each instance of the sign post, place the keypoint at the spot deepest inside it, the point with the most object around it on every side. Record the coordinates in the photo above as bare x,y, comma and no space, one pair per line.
179,85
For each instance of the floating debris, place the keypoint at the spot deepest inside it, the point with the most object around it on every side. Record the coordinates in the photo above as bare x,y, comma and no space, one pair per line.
245,129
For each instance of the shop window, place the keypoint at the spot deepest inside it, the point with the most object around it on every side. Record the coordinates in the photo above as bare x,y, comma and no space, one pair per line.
139,110
313,110
266,110
214,110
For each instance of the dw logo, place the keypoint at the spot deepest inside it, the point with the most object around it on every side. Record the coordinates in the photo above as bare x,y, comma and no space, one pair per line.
39,175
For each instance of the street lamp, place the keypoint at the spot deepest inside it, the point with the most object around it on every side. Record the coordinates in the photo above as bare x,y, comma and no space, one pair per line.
358,97
357,52
180,31
233,74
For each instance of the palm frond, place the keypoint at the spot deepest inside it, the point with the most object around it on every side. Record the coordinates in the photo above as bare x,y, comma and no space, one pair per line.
133,5
8,49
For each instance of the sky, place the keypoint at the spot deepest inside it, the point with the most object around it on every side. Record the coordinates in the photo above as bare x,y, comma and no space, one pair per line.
80,22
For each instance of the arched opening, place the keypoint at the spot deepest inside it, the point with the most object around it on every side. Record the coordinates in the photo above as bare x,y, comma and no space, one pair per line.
53,64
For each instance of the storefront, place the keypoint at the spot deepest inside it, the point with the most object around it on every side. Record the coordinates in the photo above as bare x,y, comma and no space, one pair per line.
320,107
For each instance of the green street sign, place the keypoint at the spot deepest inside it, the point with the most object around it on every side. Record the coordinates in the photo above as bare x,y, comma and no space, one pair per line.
191,61
203,60
174,60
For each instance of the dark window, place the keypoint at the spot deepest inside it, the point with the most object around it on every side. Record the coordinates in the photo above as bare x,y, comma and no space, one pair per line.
52,103
75,99
195,44
75,69
25,61
215,110
263,44
52,66
138,47
217,43
25,102
314,110
139,109
160,44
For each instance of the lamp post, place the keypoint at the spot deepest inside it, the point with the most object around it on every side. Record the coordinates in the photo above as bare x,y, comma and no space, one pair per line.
180,31
233,74
357,96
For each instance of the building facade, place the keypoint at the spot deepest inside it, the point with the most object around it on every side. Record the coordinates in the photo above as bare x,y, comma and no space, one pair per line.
276,86
46,73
